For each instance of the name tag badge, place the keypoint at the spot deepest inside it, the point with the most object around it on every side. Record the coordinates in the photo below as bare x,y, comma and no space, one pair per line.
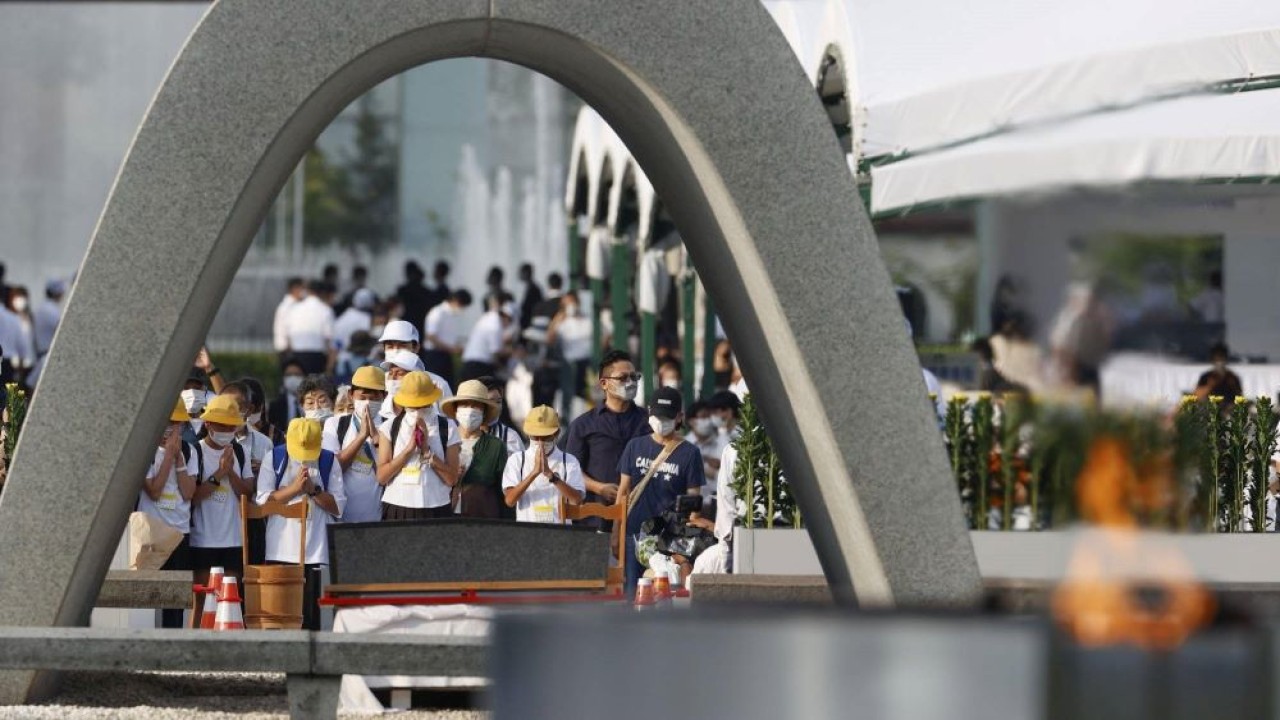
222,493
544,512
411,475
167,501
361,466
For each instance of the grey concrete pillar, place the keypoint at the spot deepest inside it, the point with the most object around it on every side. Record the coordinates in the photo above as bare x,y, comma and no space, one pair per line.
713,104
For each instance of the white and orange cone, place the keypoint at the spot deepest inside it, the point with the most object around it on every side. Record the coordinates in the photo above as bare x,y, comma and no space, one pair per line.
229,615
211,592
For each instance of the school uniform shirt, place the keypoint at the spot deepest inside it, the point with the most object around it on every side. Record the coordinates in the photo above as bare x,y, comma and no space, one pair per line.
679,473
170,508
417,485
360,479
486,340
541,500
509,437
215,521
445,322
351,321
257,448
284,534
309,325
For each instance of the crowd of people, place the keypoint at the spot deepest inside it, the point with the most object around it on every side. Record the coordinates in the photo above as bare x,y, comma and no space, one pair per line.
392,409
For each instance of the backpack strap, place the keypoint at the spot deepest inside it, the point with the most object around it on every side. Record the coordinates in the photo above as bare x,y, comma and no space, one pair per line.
442,424
280,462
395,430
199,462
326,466
344,423
238,449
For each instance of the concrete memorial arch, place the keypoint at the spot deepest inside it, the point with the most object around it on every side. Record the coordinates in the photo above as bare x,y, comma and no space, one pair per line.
709,98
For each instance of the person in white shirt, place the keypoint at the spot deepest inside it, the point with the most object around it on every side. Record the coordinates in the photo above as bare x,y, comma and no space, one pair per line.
13,339
489,343
357,318
537,481
718,557
704,436
418,454
297,290
445,332
309,326
166,495
301,469
352,438
222,477
571,330
398,364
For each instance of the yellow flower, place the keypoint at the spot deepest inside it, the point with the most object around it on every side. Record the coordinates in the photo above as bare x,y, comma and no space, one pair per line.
1240,400
1215,399
1188,399
984,395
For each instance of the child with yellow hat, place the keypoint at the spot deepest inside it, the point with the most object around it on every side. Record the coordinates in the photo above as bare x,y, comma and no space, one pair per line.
418,453
351,438
301,469
166,494
223,476
538,479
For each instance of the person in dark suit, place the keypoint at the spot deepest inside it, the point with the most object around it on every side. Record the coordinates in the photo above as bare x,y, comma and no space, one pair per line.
285,406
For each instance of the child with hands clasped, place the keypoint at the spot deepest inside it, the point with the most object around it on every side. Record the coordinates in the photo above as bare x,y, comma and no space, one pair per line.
222,477
417,454
538,479
300,469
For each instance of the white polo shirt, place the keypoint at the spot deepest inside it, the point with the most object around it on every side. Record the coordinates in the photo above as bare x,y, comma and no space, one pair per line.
360,479
486,339
417,485
351,321
309,325
280,324
284,534
445,322
215,521
541,500
170,508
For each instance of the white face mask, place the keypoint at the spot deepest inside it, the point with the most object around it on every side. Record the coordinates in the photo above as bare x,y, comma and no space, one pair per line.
717,421
624,390
320,414
291,383
662,427
673,383
193,400
702,426
393,387
426,414
546,446
253,419
222,438
20,304
361,407
470,418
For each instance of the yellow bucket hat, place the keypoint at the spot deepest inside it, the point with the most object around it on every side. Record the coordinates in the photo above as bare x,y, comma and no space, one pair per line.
179,413
471,391
369,378
224,410
542,421
417,390
303,439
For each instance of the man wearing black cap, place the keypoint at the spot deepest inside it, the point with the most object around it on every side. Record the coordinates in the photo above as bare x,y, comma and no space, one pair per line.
656,469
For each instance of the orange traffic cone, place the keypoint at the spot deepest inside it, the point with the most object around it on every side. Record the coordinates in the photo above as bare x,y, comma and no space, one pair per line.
229,615
209,612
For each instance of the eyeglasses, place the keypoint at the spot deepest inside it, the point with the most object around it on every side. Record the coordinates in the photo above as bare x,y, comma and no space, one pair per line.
625,376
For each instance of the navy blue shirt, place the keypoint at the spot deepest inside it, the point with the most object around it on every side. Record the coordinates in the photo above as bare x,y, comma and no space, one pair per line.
598,437
680,472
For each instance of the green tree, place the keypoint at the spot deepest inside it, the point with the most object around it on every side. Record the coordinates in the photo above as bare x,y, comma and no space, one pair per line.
371,182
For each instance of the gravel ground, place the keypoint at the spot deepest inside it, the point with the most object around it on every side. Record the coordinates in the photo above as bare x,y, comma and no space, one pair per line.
184,696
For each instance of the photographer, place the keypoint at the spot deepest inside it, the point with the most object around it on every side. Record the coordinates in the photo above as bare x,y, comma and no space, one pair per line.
662,467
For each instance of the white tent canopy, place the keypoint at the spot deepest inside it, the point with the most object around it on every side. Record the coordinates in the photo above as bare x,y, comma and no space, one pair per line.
931,73
1190,139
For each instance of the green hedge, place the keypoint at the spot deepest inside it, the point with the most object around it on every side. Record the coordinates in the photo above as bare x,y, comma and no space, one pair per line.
263,366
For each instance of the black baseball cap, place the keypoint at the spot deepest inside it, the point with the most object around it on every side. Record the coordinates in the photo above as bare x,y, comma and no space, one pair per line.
666,403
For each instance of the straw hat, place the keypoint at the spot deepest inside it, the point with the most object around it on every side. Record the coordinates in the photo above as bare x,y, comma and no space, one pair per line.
179,413
303,439
224,410
541,421
417,390
369,378
471,391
